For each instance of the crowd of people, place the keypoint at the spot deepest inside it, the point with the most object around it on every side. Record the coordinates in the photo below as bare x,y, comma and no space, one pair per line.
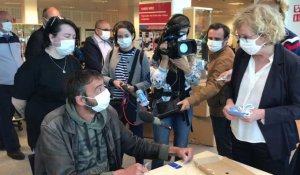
76,116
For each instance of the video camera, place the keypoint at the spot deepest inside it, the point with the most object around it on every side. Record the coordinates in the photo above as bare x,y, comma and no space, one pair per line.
176,48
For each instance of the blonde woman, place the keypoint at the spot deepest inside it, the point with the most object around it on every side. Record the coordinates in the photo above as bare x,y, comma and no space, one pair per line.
267,76
291,41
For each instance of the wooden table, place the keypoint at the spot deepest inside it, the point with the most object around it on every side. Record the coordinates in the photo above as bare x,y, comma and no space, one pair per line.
191,169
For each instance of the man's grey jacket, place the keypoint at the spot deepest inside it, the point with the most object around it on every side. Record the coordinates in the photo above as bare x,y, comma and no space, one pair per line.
56,147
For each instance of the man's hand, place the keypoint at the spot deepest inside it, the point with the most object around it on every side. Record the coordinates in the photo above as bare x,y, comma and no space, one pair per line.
135,169
185,105
226,76
229,104
186,154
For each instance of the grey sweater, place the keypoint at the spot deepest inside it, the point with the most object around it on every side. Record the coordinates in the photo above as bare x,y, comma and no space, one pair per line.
141,77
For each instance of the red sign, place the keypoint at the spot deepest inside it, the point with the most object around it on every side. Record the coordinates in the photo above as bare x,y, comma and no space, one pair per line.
297,8
296,17
154,13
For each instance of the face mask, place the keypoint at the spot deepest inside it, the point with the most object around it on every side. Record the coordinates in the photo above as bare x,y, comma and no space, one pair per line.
7,26
102,99
105,35
250,46
66,47
124,42
214,46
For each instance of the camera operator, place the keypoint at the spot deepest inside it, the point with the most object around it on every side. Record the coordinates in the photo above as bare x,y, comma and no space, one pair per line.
172,76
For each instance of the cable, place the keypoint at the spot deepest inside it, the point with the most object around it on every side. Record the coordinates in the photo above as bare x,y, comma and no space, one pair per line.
125,102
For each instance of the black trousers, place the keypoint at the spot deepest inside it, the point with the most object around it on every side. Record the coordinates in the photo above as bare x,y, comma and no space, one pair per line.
8,135
222,132
258,156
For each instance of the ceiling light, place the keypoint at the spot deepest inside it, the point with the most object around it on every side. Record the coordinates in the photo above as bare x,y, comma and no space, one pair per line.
236,3
67,7
217,11
112,10
12,3
100,1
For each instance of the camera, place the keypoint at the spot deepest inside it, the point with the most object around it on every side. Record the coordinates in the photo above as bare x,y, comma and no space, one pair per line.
175,48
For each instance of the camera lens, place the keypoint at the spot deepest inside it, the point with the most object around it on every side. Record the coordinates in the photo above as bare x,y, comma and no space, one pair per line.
183,48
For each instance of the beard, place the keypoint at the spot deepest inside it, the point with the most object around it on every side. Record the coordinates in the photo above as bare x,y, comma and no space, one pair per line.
89,106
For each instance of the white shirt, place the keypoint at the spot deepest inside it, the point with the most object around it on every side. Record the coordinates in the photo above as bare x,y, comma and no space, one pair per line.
103,45
250,92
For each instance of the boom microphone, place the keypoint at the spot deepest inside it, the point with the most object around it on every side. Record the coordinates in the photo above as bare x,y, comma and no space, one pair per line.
147,117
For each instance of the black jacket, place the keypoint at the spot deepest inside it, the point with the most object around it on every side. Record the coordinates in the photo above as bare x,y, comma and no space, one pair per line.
92,54
35,44
280,99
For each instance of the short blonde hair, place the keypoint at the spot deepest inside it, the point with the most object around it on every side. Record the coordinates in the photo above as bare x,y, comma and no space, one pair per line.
262,19
281,5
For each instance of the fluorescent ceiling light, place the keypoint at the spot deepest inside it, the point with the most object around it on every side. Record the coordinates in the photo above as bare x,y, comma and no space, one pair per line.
236,3
217,11
67,7
100,1
112,10
12,3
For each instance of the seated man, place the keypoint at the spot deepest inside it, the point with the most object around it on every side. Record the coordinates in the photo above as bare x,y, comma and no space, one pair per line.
86,137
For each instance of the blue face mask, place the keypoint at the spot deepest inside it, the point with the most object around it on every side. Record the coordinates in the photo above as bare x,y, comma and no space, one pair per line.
7,26
214,46
66,47
124,42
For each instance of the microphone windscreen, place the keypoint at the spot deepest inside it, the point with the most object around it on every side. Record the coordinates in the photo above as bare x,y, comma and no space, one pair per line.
145,116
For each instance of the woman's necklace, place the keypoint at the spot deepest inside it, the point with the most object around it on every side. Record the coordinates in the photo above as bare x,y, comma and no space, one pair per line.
63,69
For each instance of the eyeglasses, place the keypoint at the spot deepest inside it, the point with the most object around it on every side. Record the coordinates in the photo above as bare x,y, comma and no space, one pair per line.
104,29
238,37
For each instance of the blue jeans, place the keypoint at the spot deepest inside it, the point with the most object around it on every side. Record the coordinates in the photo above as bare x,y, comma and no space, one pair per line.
222,132
181,133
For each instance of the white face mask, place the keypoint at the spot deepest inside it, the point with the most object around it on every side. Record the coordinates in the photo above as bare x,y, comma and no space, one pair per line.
105,35
250,46
102,99
214,46
7,26
66,47
124,42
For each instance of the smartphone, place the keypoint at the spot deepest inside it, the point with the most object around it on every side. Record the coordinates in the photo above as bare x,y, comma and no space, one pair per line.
175,165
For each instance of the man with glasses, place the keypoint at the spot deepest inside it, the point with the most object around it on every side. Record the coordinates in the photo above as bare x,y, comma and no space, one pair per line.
10,61
97,46
85,136
35,43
